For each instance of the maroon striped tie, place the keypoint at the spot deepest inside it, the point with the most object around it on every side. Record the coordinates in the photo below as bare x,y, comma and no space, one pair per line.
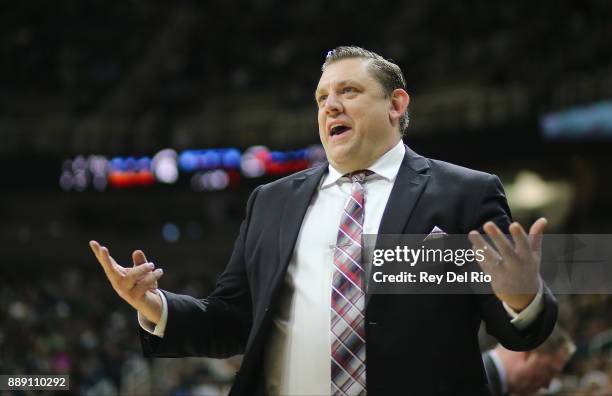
348,349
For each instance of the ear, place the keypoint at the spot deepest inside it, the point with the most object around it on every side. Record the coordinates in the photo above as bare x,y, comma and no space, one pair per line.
398,105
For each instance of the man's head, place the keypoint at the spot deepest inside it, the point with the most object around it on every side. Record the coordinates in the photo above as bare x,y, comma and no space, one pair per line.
362,103
526,372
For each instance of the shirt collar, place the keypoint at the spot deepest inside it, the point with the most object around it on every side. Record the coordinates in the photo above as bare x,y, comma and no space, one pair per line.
387,166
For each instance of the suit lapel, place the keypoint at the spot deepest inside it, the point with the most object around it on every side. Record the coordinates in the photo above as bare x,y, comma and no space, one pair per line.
303,189
299,196
407,190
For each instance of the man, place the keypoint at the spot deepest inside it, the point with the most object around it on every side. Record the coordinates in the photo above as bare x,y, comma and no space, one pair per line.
291,298
524,373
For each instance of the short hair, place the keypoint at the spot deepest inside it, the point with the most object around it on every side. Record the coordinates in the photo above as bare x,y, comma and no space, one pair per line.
387,73
558,340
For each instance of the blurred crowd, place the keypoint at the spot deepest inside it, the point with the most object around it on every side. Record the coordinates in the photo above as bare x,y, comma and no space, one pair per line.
263,40
162,75
71,322
589,321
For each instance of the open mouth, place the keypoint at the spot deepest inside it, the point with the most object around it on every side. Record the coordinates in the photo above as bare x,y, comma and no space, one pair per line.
338,130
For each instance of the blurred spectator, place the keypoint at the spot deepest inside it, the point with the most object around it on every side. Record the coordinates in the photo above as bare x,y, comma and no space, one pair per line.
523,373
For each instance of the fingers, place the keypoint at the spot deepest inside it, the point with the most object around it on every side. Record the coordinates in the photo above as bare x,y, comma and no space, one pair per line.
520,239
138,257
129,283
115,268
104,259
502,244
135,274
536,233
95,248
491,256
149,281
538,226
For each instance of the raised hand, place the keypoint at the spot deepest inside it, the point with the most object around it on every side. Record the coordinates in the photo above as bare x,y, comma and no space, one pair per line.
137,285
514,270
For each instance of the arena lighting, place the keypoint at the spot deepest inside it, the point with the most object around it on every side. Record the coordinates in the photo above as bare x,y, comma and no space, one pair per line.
530,191
587,122
80,180
98,164
130,172
316,154
130,179
219,179
99,172
99,168
197,184
164,166
208,159
284,162
66,180
214,180
231,159
130,164
79,164
258,161
171,232
99,182
253,162
234,178
80,173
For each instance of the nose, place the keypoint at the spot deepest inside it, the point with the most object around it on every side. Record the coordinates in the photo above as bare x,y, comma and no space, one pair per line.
333,105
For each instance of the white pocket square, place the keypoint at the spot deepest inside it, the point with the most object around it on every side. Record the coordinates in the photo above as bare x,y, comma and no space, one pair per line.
435,233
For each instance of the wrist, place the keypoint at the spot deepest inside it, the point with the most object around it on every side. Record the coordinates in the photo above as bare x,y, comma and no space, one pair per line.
152,306
520,301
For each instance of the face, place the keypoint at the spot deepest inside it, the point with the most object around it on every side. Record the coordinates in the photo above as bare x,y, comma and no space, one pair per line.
538,370
358,123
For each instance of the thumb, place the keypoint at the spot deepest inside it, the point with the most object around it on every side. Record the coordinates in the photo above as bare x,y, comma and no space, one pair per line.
138,257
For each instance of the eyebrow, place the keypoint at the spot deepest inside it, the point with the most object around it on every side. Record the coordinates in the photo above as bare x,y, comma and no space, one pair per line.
348,81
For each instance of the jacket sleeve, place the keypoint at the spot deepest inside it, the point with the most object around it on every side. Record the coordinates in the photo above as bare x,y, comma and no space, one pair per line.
217,326
493,206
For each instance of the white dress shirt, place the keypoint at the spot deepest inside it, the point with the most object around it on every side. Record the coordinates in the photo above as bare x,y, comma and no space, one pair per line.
297,360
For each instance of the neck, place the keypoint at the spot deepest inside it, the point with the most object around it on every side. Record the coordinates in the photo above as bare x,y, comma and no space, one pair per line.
365,163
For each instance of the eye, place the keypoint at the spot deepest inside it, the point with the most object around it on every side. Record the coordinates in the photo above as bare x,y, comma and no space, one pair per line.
348,89
321,98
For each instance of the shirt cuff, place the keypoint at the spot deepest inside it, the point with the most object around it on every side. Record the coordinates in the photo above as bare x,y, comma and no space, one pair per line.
528,315
150,327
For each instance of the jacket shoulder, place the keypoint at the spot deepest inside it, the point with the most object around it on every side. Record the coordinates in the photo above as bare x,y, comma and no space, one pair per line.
286,181
457,172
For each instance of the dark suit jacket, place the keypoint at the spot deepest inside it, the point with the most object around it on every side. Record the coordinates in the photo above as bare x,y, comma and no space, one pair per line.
421,344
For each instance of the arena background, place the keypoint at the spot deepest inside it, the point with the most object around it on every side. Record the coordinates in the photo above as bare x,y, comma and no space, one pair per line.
91,92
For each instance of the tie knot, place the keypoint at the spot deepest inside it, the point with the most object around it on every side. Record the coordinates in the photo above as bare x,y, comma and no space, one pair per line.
359,176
